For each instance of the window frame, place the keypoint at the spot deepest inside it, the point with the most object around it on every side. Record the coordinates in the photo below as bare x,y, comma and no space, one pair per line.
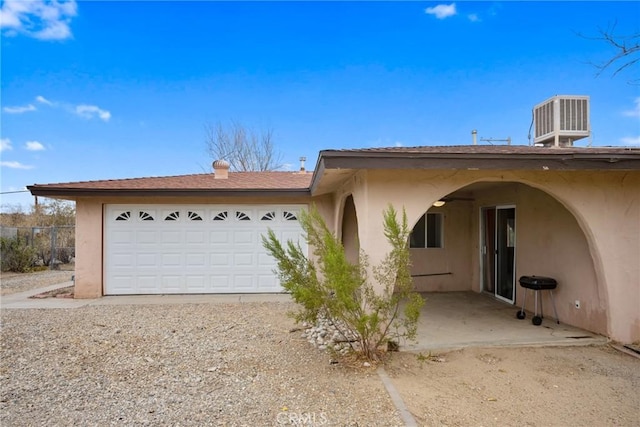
433,237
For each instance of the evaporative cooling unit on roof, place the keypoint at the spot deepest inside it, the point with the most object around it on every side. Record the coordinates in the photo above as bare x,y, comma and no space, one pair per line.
560,120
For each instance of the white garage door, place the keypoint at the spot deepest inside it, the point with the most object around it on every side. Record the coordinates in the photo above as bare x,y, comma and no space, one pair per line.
197,249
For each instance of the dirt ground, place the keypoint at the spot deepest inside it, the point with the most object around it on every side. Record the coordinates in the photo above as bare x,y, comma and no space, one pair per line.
541,386
546,386
11,283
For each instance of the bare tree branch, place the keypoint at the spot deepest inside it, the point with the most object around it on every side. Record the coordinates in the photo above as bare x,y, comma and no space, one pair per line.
244,149
626,47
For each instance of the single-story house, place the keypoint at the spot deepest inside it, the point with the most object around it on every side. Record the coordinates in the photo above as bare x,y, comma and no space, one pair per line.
482,216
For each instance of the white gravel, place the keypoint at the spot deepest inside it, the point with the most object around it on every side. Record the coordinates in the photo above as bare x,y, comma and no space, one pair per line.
182,364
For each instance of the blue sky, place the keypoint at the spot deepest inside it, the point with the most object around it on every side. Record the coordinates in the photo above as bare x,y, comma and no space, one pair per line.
105,90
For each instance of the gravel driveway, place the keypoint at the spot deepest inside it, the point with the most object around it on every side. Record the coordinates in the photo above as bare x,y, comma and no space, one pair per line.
181,364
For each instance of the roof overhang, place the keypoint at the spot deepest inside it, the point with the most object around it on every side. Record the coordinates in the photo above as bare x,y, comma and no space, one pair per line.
334,167
71,193
337,165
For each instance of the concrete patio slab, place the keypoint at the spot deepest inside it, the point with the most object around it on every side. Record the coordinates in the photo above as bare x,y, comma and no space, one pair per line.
454,320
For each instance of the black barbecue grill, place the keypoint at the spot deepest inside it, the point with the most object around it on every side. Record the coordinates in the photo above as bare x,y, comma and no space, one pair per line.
537,283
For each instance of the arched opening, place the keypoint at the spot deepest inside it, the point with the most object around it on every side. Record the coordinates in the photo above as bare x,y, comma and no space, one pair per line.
350,231
487,235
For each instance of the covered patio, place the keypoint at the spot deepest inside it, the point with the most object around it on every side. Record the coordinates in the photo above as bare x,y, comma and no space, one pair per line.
455,320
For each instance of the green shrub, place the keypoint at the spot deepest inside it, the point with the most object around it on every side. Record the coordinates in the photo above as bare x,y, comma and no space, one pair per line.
16,255
331,287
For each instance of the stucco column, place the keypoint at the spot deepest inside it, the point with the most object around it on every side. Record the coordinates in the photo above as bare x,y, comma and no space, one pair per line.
614,221
373,195
607,207
88,272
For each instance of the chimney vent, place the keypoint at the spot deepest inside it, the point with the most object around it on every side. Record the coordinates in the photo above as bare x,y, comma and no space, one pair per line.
302,160
221,169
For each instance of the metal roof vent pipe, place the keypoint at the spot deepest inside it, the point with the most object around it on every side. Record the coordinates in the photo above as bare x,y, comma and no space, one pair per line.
220,169
302,160
474,136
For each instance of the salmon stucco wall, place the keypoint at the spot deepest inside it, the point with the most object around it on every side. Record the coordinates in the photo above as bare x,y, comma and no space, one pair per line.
605,206
607,209
549,242
446,268
88,274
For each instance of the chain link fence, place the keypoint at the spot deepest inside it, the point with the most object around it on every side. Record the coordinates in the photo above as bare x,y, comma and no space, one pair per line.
54,246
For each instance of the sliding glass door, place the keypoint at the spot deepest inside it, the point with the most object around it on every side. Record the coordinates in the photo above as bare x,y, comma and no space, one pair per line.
498,243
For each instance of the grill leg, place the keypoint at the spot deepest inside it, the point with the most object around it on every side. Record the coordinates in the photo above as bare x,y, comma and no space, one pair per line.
524,301
554,306
537,320
535,304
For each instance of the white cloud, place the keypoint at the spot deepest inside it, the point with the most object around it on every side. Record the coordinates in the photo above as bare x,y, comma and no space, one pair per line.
83,110
91,111
43,100
34,146
15,165
19,109
473,17
629,140
442,11
636,111
5,144
40,19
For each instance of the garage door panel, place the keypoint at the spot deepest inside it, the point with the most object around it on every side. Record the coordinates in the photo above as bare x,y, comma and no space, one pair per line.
171,237
122,260
147,283
244,237
196,283
265,260
219,260
243,281
121,284
219,237
195,237
243,260
196,259
147,237
172,283
220,282
147,260
172,259
194,248
122,237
